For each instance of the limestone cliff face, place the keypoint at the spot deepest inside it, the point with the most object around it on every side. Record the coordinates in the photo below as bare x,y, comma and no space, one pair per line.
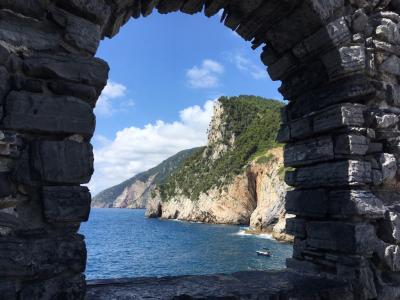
137,191
270,214
255,198
237,178
133,195
217,132
136,195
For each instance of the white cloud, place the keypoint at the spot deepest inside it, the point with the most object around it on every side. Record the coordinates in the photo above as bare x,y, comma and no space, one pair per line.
113,99
205,76
246,65
135,150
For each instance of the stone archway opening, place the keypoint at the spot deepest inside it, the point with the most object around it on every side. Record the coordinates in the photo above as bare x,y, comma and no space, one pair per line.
152,264
339,67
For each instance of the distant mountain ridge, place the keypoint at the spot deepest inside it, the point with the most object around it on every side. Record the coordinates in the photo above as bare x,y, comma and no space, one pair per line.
136,191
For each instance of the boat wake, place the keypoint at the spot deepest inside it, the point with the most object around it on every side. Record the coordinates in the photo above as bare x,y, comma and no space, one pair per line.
246,231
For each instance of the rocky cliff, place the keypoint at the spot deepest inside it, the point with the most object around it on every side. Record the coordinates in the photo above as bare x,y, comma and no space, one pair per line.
136,191
237,178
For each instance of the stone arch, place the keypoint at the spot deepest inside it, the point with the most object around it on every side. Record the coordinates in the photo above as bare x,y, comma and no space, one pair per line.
338,61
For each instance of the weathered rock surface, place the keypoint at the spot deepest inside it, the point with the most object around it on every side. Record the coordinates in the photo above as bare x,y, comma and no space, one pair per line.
254,198
66,204
243,285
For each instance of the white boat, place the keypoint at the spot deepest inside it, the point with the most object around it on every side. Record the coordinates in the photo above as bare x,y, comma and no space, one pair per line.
263,253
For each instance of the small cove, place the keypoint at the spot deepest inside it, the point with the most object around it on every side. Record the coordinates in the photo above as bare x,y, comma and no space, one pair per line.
123,243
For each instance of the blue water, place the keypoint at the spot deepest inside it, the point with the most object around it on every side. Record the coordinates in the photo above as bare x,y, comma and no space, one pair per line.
122,243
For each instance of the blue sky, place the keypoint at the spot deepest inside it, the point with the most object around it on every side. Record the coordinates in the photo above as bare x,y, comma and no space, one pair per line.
165,72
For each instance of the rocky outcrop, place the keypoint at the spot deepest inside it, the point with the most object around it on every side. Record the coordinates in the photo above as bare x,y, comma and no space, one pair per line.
136,195
270,214
256,198
208,189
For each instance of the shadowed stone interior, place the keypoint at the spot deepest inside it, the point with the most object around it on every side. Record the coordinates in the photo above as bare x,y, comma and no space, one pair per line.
339,64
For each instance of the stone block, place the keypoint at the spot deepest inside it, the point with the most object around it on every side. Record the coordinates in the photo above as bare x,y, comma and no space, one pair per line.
20,82
301,128
49,114
66,287
286,32
309,77
333,117
147,7
32,8
351,203
168,6
338,116
62,162
303,266
354,238
8,290
6,188
386,120
392,257
310,203
375,148
9,221
391,65
282,68
21,31
342,173
332,35
193,6
97,11
78,32
4,83
345,61
388,32
388,166
296,227
309,152
41,258
341,204
299,245
351,144
84,70
283,134
82,91
66,203
386,134
348,89
10,144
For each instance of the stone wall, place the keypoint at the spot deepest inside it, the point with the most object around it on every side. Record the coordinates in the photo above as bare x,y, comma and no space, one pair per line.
341,127
339,63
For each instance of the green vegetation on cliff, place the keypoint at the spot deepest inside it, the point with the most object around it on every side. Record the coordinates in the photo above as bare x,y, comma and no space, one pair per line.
247,128
161,172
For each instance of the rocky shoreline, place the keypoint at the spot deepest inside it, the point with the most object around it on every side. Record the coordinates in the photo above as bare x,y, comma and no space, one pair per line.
255,198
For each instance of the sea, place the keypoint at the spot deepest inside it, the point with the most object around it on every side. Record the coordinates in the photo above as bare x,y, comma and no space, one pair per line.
123,243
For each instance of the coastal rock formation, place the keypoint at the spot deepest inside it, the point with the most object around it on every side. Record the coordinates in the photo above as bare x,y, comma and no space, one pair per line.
138,190
255,196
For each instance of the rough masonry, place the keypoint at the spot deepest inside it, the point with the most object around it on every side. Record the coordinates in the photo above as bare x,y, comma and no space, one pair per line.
339,63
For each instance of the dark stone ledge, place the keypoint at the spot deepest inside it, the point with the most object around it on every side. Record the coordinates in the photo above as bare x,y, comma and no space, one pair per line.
241,285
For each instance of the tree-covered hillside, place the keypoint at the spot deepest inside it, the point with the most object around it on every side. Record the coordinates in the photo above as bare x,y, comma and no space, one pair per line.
247,128
161,172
